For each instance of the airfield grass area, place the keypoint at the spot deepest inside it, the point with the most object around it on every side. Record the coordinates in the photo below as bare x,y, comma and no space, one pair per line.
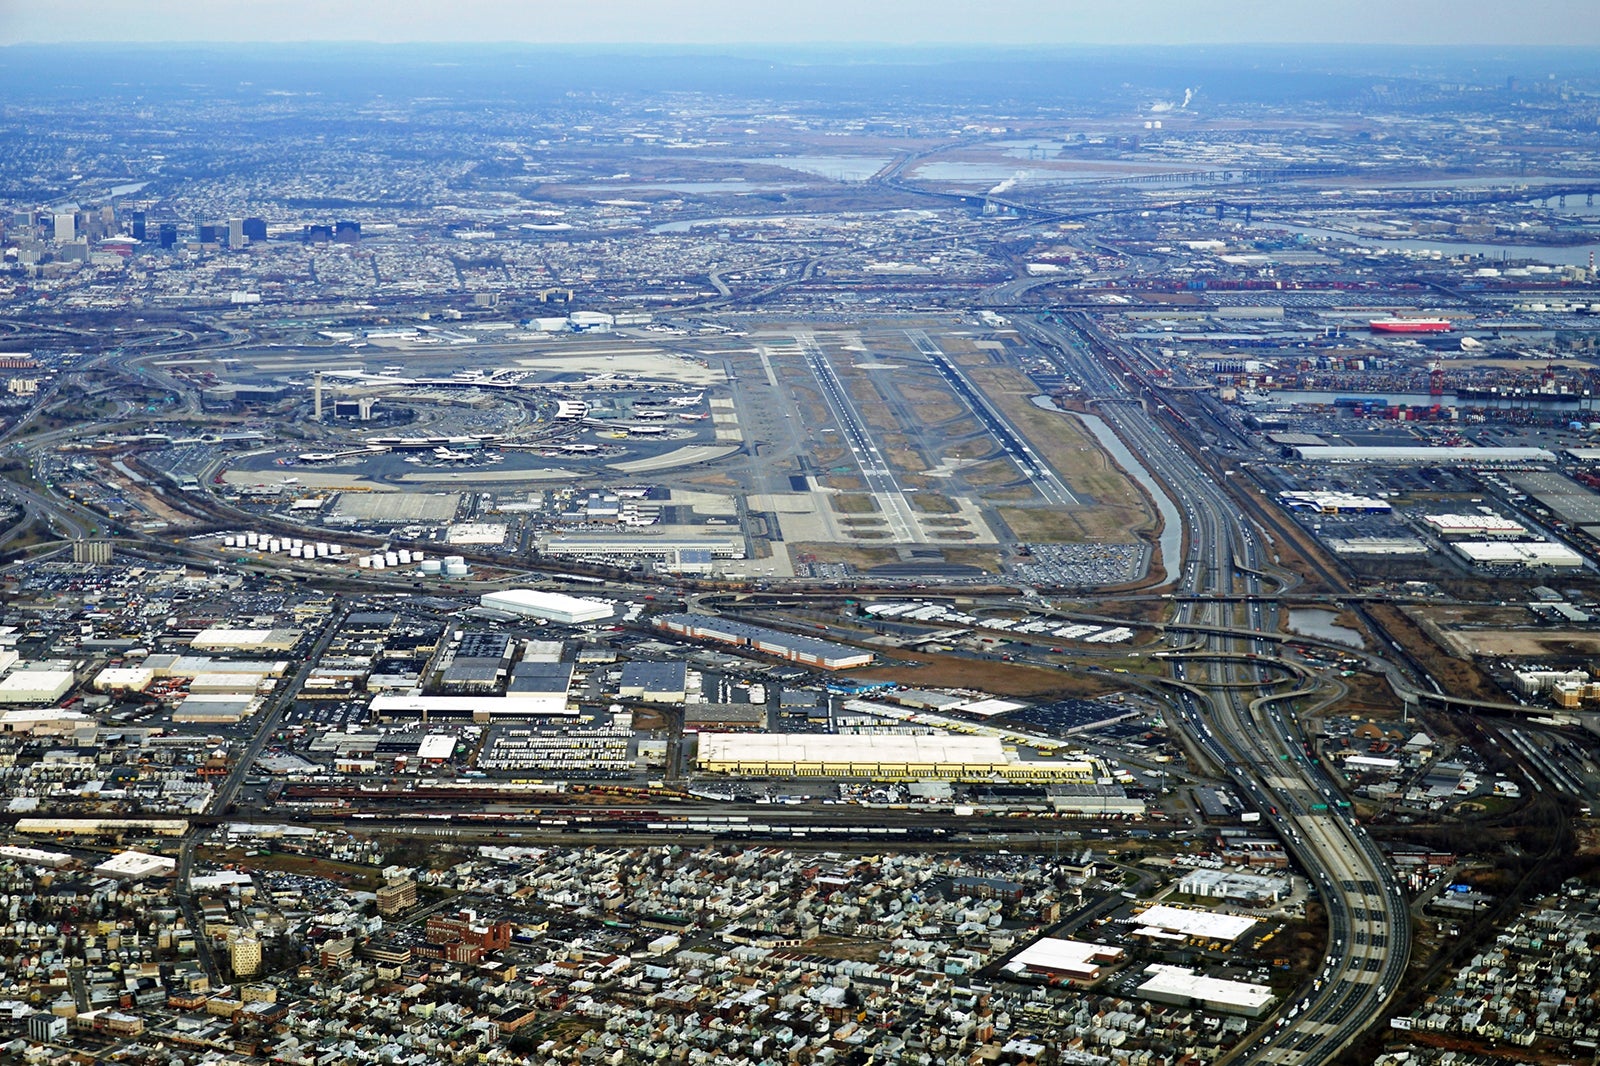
932,503
852,503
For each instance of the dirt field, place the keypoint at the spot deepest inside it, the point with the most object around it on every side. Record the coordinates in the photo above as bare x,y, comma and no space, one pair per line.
1000,678
1459,677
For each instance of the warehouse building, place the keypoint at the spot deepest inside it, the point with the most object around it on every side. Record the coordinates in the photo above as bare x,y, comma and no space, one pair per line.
654,682
540,678
389,706
877,757
124,679
1333,502
247,641
1073,959
47,722
1443,455
1476,526
35,686
666,553
50,860
1180,986
1255,889
91,827
1539,555
137,866
1180,925
808,651
551,606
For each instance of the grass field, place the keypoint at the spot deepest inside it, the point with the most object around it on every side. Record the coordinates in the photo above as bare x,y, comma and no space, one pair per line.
859,556
932,503
852,503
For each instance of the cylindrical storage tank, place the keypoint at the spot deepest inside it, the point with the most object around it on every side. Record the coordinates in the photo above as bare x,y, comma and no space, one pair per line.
294,553
250,539
377,562
392,558
417,557
405,555
298,543
432,566
227,542
455,569
336,549
322,550
364,561
272,545
448,559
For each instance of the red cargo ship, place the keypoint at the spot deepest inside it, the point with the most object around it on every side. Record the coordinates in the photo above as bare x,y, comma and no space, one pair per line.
1409,325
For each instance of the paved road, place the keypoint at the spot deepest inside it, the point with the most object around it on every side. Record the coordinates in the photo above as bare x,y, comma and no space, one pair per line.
1248,734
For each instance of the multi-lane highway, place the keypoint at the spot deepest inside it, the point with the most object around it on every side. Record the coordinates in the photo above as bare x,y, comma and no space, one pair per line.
1248,732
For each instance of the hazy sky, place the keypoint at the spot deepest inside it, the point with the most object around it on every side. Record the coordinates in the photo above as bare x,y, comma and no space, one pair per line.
1408,22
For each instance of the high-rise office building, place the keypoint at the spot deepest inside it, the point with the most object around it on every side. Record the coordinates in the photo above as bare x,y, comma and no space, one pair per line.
138,226
66,226
235,233
346,231
318,234
255,229
169,234
209,232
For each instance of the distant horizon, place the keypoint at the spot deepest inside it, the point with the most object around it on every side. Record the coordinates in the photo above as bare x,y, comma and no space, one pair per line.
821,23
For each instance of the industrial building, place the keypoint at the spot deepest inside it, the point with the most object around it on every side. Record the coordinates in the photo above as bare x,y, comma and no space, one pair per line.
1540,555
1333,502
46,721
551,606
878,757
534,677
1381,454
124,679
808,651
137,866
1178,924
50,860
668,554
35,686
1476,526
1180,986
246,641
654,682
1074,959
387,706
165,827
1254,889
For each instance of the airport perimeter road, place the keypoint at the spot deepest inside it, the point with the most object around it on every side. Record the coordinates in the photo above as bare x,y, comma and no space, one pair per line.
1249,734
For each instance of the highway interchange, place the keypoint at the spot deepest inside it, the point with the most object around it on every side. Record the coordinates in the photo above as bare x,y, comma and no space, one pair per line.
1257,744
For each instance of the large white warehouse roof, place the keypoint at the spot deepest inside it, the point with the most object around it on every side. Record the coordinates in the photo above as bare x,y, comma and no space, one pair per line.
1330,454
556,606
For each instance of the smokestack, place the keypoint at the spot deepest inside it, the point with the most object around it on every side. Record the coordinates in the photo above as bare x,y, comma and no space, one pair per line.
316,396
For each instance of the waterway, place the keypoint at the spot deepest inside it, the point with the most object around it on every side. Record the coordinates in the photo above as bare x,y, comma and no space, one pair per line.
1171,539
1323,625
